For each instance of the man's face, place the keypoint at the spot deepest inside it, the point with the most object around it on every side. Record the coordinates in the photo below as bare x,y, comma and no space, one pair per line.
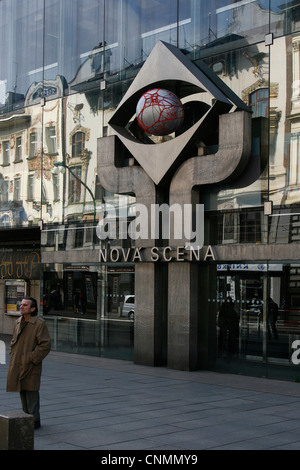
25,308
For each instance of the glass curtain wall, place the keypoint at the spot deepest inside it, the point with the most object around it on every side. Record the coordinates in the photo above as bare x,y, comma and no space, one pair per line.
65,66
258,319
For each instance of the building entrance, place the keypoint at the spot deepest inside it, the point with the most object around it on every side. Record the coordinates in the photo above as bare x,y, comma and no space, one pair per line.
258,319
240,315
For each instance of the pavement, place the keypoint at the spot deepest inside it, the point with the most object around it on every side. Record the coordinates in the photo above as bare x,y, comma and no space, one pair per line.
95,403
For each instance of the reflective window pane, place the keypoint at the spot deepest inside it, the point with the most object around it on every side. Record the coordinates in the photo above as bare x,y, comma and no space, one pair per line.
21,49
208,27
286,17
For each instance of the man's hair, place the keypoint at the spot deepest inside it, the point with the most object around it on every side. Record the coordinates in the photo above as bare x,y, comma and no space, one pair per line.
33,304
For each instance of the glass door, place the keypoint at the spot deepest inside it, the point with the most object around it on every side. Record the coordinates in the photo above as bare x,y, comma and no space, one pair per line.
251,313
258,319
240,315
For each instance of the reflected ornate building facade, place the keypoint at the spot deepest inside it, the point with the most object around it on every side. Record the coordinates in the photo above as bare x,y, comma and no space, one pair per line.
65,67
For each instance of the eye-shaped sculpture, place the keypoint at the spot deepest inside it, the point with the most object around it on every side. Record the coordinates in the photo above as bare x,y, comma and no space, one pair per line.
169,69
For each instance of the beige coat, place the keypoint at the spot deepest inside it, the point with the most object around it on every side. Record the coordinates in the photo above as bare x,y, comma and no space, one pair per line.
27,350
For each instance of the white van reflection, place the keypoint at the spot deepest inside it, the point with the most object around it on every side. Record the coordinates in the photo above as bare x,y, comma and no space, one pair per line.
128,307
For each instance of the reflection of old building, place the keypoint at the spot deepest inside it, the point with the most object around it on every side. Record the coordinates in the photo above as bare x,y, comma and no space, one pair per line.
65,67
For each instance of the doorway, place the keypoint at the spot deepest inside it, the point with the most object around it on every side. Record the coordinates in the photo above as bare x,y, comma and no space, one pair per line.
258,297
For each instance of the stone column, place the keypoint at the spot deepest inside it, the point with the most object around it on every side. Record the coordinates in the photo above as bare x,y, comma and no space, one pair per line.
149,327
183,316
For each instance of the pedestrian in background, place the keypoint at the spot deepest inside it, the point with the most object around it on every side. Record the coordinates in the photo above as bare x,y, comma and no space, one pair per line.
30,344
272,316
228,323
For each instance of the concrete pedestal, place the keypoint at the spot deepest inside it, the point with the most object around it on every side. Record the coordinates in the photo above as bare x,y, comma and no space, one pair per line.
16,431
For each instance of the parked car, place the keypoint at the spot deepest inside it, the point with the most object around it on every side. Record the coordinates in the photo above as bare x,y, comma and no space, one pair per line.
128,307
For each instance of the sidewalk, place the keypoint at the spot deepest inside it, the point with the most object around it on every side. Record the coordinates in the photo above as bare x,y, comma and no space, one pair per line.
92,403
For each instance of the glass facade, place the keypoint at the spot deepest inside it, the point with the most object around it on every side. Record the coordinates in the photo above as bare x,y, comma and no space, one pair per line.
265,322
65,66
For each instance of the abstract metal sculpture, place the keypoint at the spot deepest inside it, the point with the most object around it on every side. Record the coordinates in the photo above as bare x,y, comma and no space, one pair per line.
170,172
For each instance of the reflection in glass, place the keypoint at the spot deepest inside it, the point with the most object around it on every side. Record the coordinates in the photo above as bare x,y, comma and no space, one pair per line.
78,141
21,25
6,153
246,72
75,185
65,66
267,306
258,101
51,139
18,152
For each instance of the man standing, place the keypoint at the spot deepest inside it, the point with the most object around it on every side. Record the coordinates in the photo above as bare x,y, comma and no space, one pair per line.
30,344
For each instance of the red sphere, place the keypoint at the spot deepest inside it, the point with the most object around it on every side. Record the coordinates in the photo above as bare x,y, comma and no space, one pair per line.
159,112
